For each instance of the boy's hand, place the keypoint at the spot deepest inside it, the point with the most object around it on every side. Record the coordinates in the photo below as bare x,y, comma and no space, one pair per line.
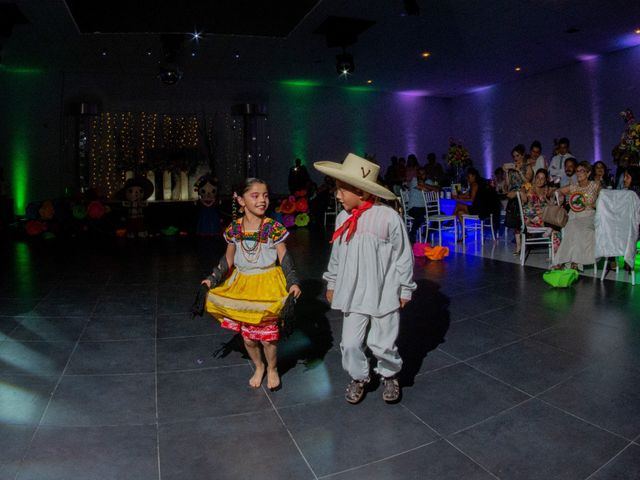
403,302
330,296
295,290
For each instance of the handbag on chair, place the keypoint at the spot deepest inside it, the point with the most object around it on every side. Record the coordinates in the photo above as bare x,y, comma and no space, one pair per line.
555,215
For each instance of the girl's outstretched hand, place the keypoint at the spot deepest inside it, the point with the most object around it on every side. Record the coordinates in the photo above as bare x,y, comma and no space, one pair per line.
403,302
206,282
295,290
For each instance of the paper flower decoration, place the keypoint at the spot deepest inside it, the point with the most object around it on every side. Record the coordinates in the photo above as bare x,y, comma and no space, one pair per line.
96,210
302,205
46,210
288,220
79,212
302,220
34,227
288,206
436,253
418,249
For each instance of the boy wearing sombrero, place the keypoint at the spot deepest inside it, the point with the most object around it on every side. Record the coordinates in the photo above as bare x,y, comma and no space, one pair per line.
370,274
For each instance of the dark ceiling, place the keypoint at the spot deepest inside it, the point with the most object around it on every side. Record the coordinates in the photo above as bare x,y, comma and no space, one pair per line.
473,44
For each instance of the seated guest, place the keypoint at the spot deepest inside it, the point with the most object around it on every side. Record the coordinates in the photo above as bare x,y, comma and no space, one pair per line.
556,165
518,174
434,170
535,199
536,160
578,236
570,177
631,179
501,181
484,200
600,174
415,203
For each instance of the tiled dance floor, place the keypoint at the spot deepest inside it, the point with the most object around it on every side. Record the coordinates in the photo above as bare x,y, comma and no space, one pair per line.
104,375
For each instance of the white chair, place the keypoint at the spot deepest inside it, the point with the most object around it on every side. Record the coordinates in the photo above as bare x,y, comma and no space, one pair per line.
527,237
616,228
434,220
476,225
408,219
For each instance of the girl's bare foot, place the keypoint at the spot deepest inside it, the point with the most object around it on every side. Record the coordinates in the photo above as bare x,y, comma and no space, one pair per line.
273,379
256,380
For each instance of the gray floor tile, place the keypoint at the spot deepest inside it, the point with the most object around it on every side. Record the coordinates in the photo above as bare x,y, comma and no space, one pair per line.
346,440
126,305
436,461
625,466
457,397
34,358
536,441
119,327
192,353
469,338
184,325
217,448
608,396
14,441
69,453
24,398
530,365
126,356
103,400
208,393
49,329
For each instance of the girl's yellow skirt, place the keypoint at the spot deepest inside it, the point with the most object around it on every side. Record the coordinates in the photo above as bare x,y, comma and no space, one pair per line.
249,297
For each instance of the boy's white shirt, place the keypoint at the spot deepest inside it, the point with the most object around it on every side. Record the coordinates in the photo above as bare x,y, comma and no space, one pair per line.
371,272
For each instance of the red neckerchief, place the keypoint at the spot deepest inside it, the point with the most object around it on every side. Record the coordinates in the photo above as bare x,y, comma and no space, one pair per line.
351,223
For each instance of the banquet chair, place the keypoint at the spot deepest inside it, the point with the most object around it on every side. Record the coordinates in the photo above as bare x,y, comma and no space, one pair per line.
476,225
616,228
408,219
528,238
434,220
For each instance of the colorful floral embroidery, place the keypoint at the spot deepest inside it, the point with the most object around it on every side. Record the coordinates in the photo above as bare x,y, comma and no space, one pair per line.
270,230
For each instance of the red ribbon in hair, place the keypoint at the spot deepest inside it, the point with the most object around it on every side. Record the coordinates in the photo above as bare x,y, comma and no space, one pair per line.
351,223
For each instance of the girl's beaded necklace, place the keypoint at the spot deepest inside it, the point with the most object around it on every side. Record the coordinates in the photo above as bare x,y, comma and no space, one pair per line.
251,252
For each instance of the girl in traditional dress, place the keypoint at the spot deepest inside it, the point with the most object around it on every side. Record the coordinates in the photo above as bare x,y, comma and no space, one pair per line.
251,298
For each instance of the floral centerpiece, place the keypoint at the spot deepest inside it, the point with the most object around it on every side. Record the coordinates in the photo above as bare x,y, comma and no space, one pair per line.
458,158
457,155
630,140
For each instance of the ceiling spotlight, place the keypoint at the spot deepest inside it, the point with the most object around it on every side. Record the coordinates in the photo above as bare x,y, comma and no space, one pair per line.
369,82
103,53
517,69
236,55
637,30
196,35
148,52
194,52
344,64
170,75
425,54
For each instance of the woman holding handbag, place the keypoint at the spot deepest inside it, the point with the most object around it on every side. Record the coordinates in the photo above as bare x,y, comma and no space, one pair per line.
534,202
519,173
578,236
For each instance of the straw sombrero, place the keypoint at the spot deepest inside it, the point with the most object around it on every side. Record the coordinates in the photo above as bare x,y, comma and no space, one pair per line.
358,172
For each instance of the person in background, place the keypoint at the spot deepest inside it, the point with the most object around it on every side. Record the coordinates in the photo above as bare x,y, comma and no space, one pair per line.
578,235
631,179
537,160
570,177
298,177
433,169
556,166
600,173
500,181
412,168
